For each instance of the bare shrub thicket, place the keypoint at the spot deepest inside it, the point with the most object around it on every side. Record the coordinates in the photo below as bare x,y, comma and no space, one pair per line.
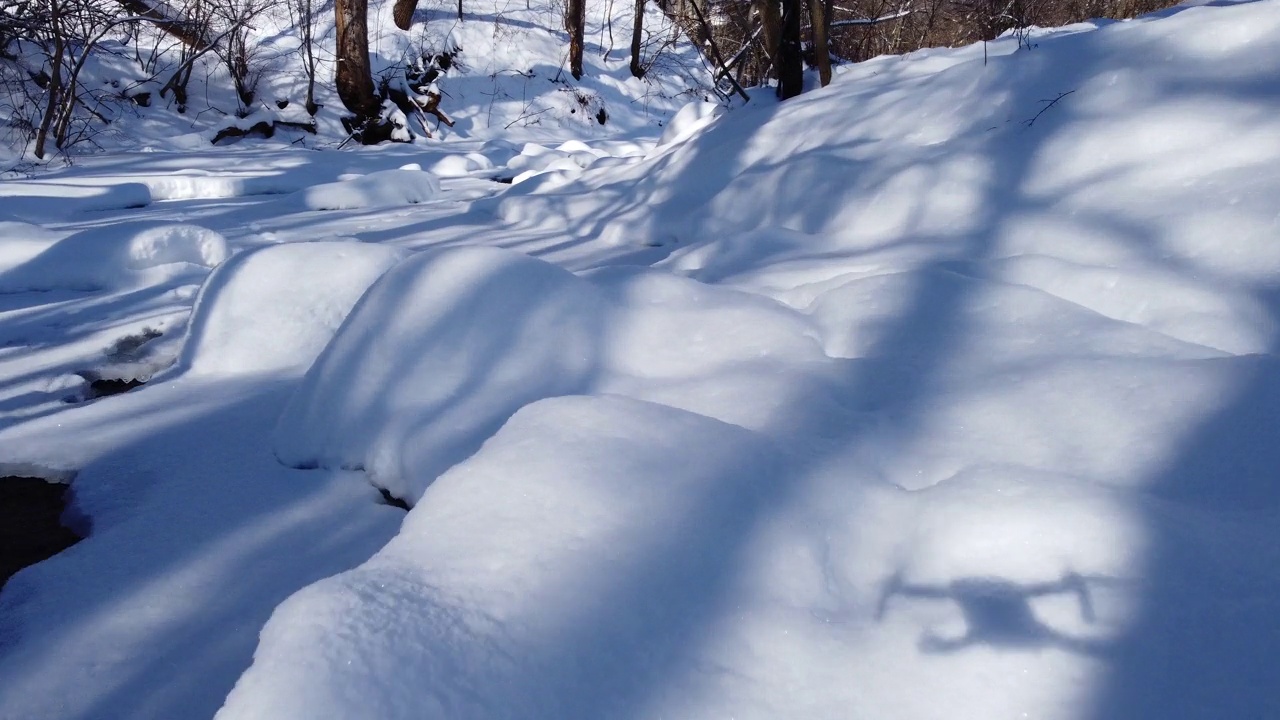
747,33
46,47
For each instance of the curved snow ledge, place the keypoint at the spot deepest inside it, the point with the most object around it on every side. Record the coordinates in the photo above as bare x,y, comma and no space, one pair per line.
45,201
551,575
119,256
274,309
438,354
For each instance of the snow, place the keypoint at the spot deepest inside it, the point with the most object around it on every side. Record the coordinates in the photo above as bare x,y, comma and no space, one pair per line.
464,337
948,390
556,479
118,256
275,308
407,186
460,165
685,124
44,200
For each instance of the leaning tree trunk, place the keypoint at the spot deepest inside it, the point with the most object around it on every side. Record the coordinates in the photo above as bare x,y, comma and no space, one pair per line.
402,12
353,79
821,46
575,21
790,62
636,68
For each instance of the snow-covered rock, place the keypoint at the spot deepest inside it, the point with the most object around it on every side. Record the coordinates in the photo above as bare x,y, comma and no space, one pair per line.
274,309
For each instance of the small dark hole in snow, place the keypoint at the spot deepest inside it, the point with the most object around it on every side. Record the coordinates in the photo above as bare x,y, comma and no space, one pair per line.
392,500
602,117
105,387
30,523
504,180
100,387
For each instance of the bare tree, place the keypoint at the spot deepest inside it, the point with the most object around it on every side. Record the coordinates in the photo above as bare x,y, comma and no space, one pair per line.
789,62
637,30
821,47
54,87
237,49
770,26
73,28
303,19
353,79
575,22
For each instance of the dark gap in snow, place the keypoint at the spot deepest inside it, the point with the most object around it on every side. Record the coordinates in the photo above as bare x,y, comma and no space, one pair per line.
101,386
503,180
106,387
30,523
127,368
392,500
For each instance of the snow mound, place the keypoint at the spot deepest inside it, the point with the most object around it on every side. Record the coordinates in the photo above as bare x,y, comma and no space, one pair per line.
274,309
438,354
460,165
50,201
446,346
733,356
387,188
22,241
688,121
552,575
192,184
119,256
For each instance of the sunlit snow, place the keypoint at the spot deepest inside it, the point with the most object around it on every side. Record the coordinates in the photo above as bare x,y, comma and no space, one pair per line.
900,399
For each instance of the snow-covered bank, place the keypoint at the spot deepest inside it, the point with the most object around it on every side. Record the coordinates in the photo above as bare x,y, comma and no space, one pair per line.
945,391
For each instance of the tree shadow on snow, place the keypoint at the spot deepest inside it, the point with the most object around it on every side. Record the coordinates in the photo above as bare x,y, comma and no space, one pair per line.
1205,642
198,534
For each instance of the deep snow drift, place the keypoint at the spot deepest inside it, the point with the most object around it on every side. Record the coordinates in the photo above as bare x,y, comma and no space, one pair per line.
946,391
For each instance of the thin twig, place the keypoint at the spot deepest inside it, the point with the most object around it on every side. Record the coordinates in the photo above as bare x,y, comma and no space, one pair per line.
1050,103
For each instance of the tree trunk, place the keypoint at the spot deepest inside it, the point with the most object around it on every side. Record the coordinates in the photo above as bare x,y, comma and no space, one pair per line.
636,69
309,54
716,57
190,35
821,47
790,62
55,77
353,79
771,27
402,12
575,21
